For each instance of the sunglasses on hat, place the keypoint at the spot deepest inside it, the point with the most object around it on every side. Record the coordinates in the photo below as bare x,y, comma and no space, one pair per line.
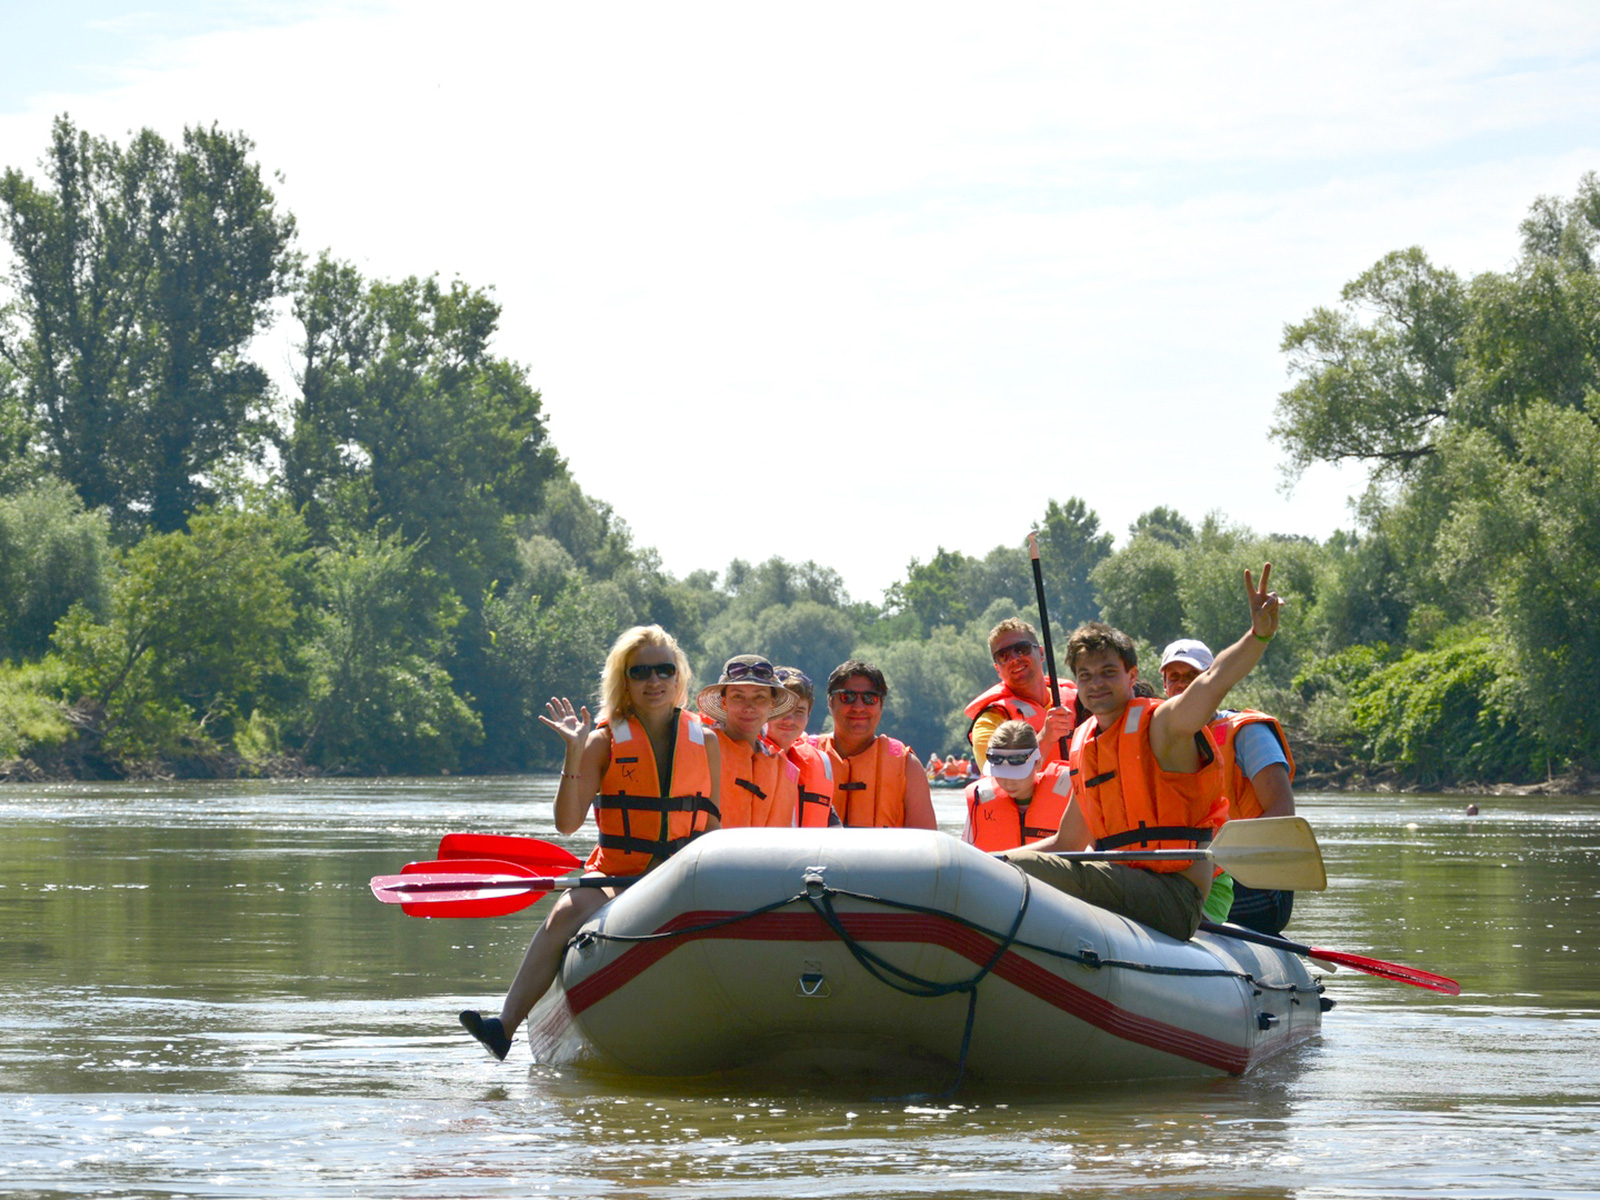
760,671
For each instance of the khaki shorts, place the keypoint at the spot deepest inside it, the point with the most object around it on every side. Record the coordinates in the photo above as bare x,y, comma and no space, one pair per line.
1164,900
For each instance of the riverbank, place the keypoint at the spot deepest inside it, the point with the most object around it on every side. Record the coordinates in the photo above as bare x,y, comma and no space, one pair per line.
1344,781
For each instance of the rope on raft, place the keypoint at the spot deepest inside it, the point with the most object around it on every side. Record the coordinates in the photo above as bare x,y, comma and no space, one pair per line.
819,896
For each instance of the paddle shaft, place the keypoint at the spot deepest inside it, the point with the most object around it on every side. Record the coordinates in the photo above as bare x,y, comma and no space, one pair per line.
1269,852
424,884
1044,632
1356,962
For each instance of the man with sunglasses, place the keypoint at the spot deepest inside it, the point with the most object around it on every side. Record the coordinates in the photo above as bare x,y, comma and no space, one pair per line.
1023,694
877,780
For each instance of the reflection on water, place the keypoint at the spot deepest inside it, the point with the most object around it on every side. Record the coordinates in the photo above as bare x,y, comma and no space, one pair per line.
201,996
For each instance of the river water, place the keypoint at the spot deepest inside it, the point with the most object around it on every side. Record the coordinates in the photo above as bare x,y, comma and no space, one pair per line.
201,998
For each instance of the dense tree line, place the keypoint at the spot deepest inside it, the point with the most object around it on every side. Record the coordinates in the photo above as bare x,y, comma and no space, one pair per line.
391,568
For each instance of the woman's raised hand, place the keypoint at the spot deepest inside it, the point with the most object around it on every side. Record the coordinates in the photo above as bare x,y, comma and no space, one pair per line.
1264,605
572,727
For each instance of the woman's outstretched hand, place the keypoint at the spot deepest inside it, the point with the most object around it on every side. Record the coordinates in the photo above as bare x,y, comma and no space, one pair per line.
572,727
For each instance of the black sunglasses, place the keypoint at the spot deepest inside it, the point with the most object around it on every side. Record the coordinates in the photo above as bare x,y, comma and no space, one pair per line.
1006,653
642,671
848,696
761,670
1010,758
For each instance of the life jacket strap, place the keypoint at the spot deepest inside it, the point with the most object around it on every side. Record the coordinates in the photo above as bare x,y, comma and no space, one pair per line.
1146,834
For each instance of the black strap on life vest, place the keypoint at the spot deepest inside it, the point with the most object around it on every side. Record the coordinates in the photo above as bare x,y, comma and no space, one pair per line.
659,846
855,785
1146,834
1099,779
809,800
750,787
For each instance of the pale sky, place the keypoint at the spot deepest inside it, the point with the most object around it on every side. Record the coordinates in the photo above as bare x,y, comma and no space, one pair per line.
877,277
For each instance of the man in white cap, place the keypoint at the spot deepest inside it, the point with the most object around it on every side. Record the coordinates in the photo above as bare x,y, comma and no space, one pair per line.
1260,771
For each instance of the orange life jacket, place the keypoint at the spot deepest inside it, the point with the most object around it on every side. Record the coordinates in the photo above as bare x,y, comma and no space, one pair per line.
1016,708
1128,800
814,807
637,825
995,821
759,785
869,790
1243,803
955,768
935,765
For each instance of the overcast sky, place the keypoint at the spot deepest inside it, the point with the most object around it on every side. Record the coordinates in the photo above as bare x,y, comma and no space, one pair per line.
877,278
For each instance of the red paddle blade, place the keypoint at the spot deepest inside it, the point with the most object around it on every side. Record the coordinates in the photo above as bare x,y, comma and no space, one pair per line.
545,858
1389,970
461,888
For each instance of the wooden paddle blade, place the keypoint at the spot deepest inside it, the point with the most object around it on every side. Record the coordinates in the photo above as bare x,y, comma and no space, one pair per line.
1271,853
544,858
1389,970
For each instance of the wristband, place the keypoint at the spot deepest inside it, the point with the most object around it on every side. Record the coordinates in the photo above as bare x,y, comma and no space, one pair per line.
1267,638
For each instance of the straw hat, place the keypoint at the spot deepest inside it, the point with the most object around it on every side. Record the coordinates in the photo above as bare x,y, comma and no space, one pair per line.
745,668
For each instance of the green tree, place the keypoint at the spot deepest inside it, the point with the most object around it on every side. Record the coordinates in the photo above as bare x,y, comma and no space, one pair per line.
936,591
1526,525
380,700
197,632
52,555
1140,588
1164,525
18,463
407,423
1071,546
1377,376
139,277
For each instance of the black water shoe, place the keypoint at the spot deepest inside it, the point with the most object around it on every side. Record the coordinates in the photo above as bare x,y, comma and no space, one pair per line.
488,1031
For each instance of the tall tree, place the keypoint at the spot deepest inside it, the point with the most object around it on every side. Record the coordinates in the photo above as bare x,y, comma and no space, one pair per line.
140,275
1378,375
406,422
1071,545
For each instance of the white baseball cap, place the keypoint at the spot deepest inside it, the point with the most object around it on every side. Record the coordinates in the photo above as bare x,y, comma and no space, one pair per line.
1186,650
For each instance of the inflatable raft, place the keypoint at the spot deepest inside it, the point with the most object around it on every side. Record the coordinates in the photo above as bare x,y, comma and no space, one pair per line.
889,950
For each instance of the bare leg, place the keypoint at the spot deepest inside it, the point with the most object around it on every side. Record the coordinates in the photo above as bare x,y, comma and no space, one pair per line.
543,959
538,969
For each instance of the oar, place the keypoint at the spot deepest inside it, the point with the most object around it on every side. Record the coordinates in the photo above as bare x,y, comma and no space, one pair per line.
1356,962
1271,853
544,858
468,887
1044,621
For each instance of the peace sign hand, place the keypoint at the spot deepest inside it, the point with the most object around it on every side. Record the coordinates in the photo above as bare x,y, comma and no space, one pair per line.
1264,605
571,727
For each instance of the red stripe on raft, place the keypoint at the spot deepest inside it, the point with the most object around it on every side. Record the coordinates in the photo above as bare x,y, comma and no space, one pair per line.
925,928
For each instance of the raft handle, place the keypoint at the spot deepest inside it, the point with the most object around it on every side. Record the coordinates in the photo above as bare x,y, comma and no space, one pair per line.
813,984
1265,1021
